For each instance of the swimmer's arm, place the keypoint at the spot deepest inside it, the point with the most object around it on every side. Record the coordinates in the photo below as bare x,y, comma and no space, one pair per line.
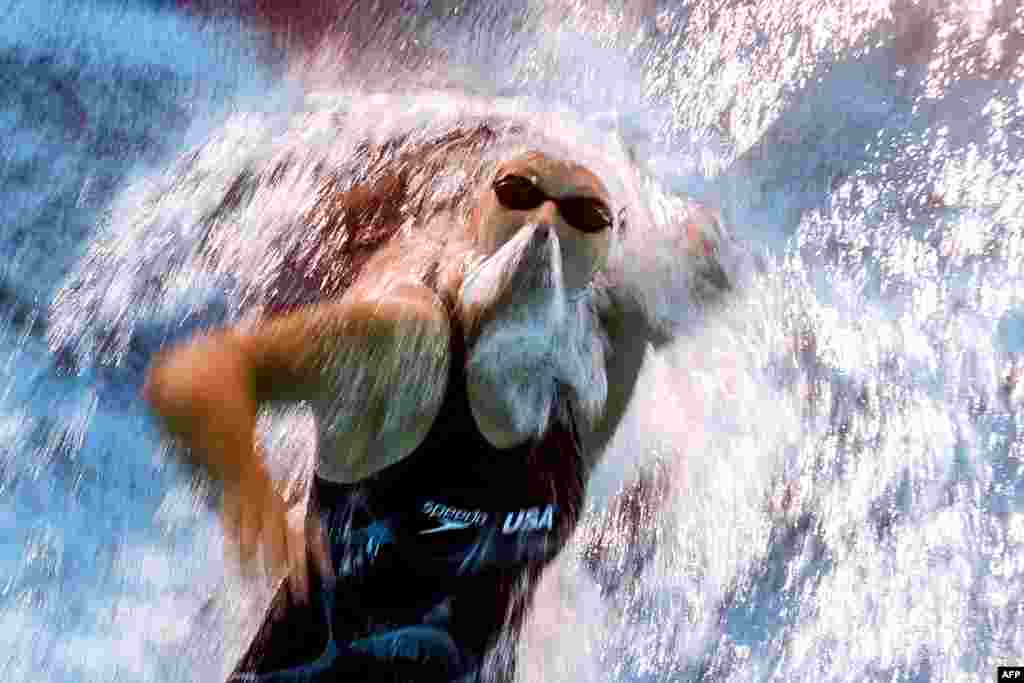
208,391
612,565
631,332
630,336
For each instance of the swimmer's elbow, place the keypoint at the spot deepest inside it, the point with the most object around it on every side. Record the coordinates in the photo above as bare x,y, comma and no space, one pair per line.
197,382
169,389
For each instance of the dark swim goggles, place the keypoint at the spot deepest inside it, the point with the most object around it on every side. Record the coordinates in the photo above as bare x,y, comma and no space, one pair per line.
587,214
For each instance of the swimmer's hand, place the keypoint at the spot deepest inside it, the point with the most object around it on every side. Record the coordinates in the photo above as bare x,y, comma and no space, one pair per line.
257,518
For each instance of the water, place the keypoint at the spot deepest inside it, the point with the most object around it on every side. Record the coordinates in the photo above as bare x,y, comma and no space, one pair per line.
838,450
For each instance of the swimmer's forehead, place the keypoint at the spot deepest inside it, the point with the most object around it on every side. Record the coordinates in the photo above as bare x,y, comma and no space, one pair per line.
554,176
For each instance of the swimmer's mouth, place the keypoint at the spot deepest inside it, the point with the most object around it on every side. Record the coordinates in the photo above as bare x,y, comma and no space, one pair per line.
539,264
531,260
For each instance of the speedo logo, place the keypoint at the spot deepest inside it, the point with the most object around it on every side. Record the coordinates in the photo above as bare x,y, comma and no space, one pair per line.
530,519
451,518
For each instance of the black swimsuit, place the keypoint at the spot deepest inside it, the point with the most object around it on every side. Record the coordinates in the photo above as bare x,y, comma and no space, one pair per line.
432,555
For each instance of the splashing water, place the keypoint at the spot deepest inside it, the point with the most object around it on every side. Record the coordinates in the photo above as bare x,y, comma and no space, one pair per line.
830,466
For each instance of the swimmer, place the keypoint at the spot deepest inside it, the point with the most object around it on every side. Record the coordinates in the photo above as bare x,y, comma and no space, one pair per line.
464,385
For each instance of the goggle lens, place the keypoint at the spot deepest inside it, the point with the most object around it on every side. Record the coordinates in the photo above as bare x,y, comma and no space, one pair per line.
586,214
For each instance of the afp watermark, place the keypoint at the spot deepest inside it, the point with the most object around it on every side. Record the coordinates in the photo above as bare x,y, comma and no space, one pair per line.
1010,673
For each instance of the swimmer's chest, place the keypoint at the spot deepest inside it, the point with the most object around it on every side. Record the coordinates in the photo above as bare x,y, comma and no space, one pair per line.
455,485
453,464
458,507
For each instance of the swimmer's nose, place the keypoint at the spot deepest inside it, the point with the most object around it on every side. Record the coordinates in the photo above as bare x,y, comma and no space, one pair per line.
548,213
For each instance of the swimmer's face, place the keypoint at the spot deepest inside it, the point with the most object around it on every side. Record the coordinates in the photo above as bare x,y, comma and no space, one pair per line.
536,191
